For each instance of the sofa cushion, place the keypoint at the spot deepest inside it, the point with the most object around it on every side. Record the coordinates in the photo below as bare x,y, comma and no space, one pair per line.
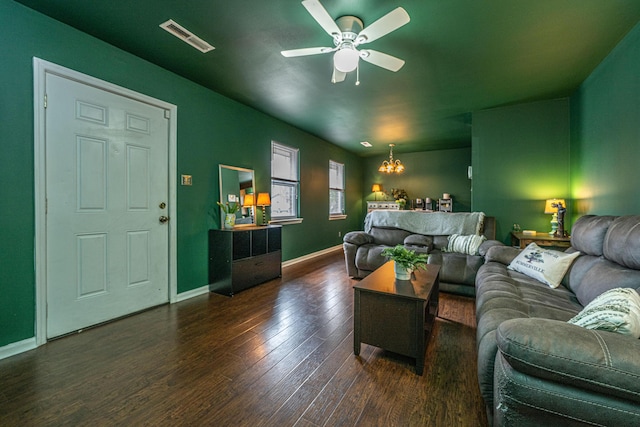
388,236
369,257
545,265
501,254
503,294
358,238
590,276
456,268
616,310
588,233
465,244
599,361
622,242
419,240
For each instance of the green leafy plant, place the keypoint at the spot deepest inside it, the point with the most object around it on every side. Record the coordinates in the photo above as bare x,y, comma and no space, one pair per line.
229,208
406,258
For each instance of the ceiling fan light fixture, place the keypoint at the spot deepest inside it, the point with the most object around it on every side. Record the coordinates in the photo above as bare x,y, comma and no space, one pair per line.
346,59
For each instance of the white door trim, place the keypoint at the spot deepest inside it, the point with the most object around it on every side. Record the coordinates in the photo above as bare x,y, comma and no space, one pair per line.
40,68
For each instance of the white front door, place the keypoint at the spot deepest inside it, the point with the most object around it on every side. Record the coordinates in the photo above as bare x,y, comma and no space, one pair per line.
107,252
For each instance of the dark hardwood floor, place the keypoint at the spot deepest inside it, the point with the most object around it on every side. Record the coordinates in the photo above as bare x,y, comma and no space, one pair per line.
280,354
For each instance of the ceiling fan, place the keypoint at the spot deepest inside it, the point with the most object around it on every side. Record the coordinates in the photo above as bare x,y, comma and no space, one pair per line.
348,34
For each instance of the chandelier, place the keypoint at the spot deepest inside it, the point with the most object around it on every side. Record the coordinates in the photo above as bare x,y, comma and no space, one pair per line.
391,166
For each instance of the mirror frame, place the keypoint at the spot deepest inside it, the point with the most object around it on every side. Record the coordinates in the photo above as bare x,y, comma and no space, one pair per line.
221,167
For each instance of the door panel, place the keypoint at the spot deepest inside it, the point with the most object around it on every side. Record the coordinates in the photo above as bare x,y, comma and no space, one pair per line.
107,174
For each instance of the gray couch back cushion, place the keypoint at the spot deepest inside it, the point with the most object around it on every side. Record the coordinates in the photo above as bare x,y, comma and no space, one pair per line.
600,275
622,242
388,236
588,233
608,245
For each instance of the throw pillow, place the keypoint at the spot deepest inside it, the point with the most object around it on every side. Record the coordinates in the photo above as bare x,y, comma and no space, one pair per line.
617,310
465,244
545,265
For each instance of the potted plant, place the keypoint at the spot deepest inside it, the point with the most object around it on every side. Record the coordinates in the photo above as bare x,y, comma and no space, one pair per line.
405,260
400,196
229,210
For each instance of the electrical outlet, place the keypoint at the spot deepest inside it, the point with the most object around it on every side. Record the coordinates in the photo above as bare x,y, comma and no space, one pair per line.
187,180
339,233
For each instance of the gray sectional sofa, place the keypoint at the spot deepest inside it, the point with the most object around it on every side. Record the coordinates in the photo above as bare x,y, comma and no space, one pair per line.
536,369
424,233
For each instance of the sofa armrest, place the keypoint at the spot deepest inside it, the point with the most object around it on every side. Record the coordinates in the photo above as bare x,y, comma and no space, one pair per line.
599,361
358,238
419,240
502,254
484,246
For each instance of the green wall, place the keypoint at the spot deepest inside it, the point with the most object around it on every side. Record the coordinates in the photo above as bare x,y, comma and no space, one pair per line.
521,158
605,134
212,129
428,174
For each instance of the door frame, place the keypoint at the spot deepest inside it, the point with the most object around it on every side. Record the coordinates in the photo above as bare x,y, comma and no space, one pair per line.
40,69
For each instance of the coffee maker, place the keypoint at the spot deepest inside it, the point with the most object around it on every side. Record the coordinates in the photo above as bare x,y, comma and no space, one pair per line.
418,204
428,204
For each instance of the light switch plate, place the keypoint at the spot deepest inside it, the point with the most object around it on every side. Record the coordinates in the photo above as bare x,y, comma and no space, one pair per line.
187,180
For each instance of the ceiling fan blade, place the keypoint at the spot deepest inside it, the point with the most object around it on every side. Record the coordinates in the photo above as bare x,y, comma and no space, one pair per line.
383,26
322,17
307,51
338,76
383,60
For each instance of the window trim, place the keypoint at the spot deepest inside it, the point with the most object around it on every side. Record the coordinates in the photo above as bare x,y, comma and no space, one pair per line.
295,154
343,190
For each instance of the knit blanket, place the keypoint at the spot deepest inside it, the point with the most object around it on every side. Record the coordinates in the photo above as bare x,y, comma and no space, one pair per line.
430,224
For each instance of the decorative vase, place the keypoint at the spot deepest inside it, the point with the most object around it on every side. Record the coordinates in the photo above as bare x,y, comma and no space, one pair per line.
401,272
229,221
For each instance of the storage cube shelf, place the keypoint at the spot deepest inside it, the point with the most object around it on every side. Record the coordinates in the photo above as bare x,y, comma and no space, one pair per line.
244,257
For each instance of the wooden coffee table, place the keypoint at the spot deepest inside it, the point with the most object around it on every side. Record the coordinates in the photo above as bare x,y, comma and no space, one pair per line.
396,315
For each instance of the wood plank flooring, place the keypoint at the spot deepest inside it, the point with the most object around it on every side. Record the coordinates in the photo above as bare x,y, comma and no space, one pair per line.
280,354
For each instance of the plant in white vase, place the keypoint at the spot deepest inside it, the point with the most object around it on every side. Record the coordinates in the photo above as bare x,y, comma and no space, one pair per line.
229,210
406,261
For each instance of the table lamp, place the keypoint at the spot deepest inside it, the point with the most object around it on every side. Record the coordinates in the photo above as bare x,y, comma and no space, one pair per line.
248,202
551,207
376,188
263,200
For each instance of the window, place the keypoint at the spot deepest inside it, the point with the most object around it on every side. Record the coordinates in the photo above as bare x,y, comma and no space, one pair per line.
336,190
285,182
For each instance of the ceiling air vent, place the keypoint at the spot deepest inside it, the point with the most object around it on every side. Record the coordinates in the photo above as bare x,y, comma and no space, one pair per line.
185,35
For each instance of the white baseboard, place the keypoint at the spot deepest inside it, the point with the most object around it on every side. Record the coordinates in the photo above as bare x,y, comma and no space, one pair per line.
17,347
311,256
192,293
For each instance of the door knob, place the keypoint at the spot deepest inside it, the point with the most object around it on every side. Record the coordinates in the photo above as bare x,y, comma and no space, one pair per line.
163,219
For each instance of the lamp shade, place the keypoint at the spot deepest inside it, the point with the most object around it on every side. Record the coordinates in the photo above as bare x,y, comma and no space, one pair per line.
549,208
263,199
376,187
249,200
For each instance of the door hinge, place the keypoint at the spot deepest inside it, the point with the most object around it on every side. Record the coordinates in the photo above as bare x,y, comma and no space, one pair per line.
167,114
45,100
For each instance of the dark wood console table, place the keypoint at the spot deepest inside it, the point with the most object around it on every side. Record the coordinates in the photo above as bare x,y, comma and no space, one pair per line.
541,239
396,315
244,257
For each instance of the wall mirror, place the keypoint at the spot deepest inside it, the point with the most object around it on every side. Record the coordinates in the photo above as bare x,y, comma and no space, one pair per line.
235,184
